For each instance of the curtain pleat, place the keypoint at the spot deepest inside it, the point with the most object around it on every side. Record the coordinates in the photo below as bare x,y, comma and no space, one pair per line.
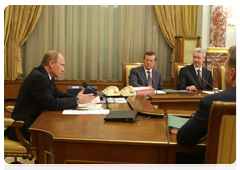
7,22
169,18
95,40
189,19
24,20
176,20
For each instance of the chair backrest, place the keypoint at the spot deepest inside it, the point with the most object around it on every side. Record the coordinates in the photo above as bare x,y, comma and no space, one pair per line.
126,67
221,72
177,67
221,136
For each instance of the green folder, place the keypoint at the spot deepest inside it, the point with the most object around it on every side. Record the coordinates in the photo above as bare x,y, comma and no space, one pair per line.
172,91
176,122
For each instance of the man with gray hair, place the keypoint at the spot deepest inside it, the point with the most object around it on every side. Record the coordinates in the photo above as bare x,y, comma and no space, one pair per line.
191,77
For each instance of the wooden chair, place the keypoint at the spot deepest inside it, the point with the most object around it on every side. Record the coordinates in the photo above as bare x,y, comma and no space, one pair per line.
127,66
221,72
221,137
14,148
177,67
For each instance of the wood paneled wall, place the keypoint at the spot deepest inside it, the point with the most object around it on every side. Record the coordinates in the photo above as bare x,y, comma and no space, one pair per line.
11,88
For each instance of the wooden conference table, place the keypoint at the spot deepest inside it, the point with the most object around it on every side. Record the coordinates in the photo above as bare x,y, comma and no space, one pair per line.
76,139
177,101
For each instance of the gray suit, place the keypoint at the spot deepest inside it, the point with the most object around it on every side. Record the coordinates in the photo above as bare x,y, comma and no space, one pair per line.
137,78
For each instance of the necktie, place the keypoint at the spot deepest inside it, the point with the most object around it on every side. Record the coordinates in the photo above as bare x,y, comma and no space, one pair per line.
199,76
149,79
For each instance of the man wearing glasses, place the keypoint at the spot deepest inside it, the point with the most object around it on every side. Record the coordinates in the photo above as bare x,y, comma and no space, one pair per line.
146,75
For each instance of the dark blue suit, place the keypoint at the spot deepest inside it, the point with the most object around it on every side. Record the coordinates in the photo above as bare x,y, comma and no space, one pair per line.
195,130
187,77
137,78
36,94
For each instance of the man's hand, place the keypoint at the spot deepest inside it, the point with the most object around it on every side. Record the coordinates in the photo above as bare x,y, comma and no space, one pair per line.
191,88
150,87
85,98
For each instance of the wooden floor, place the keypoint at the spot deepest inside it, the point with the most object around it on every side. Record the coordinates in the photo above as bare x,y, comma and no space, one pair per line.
9,102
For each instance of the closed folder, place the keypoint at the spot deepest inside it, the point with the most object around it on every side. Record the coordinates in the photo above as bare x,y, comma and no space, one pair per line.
121,116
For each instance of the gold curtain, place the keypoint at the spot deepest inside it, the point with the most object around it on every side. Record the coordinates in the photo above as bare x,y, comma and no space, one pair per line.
170,21
189,19
23,21
7,22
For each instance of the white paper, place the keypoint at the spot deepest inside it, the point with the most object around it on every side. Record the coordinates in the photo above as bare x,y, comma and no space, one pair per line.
141,88
83,112
120,100
75,87
91,106
160,92
210,92
95,100
117,100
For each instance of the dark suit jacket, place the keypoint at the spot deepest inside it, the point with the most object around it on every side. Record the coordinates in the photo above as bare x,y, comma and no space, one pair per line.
36,94
137,78
187,77
195,129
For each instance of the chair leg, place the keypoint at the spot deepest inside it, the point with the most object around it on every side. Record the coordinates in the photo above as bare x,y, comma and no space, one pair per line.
15,165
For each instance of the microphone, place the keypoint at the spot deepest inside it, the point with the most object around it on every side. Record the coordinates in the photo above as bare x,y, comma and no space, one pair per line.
208,84
100,93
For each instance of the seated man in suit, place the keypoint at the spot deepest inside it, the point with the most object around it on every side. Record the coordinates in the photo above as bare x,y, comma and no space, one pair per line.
39,92
195,129
189,77
146,75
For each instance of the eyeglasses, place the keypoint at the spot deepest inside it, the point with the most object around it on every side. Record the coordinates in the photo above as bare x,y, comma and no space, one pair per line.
147,60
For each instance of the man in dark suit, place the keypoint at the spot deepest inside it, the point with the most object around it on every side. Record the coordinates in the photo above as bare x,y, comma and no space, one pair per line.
39,92
195,129
146,75
189,76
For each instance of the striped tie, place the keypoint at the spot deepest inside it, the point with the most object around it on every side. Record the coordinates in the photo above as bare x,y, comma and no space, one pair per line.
149,79
199,77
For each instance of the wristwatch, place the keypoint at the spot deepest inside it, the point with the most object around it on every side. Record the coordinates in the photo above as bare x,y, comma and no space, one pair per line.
78,101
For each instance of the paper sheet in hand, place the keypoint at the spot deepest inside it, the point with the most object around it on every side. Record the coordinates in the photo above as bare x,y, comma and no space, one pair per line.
176,122
95,100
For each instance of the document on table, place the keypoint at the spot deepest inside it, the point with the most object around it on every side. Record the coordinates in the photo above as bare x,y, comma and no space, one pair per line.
160,92
210,92
117,100
85,111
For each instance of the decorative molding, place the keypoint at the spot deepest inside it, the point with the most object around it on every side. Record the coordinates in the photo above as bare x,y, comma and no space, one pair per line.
216,50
